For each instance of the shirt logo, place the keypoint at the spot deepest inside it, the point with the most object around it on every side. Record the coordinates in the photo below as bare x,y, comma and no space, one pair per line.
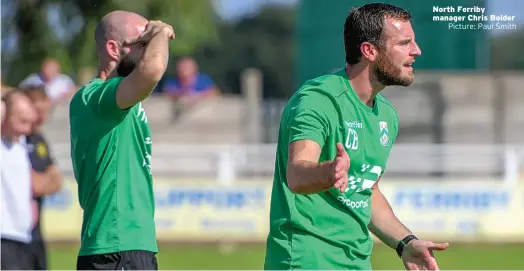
141,113
41,150
354,204
147,157
384,139
354,125
352,137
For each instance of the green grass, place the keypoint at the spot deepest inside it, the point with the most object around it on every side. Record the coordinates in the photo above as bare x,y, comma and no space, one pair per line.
251,257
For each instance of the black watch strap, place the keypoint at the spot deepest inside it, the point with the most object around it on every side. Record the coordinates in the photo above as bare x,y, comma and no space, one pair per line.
403,243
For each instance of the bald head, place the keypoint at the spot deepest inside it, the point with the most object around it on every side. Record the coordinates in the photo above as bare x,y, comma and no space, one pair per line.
50,68
17,102
20,115
187,68
119,25
110,34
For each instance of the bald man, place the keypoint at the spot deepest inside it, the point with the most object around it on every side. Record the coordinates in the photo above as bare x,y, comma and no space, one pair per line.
17,205
111,144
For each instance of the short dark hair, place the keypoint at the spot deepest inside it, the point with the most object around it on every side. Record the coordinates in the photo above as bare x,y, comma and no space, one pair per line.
366,24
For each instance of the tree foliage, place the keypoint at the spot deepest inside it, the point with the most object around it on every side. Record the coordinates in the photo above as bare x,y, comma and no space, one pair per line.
265,41
64,29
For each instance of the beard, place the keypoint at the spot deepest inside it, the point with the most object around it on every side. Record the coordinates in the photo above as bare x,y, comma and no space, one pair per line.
388,74
125,67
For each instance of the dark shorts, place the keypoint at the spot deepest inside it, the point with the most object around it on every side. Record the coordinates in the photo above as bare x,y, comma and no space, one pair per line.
125,260
38,254
15,255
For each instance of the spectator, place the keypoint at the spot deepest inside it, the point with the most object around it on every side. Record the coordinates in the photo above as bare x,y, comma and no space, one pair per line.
5,89
46,177
2,112
59,87
17,205
189,87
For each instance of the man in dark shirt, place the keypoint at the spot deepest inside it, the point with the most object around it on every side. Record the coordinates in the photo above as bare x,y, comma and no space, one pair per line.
46,177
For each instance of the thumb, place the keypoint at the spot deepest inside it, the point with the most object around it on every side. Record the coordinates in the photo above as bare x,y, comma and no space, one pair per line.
439,246
340,149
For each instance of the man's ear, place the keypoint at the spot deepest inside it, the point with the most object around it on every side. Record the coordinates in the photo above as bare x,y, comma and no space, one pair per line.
113,50
368,51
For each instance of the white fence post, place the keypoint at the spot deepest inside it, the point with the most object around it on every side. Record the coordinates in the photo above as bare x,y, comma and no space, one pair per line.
226,167
512,166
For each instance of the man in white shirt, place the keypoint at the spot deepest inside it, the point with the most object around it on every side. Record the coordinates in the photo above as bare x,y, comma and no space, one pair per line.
18,209
59,87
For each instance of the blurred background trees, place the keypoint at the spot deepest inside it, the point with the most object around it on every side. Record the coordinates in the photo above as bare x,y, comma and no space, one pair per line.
35,29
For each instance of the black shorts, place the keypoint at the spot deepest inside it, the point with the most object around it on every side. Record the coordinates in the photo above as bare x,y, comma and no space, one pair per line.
15,255
38,254
125,260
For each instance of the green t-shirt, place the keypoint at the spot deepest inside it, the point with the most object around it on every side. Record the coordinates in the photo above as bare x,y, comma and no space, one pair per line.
111,154
329,230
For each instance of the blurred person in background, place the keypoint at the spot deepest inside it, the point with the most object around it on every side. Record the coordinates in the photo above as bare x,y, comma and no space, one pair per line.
59,87
2,111
335,138
5,89
17,204
46,177
189,87
111,144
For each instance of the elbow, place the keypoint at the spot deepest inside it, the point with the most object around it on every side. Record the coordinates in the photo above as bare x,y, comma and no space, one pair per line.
57,185
293,183
293,187
57,181
38,190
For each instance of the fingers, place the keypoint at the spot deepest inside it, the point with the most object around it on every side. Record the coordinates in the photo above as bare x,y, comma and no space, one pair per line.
340,149
339,175
341,152
142,36
152,28
431,264
339,165
344,186
340,169
341,184
439,246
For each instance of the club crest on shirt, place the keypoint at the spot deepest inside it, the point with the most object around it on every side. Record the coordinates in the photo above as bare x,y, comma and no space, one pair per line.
384,139
41,150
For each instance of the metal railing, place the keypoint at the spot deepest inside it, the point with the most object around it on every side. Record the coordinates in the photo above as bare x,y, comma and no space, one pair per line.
231,162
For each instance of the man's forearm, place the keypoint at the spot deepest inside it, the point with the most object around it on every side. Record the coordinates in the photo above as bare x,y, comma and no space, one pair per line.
47,183
56,180
384,224
306,177
40,181
155,58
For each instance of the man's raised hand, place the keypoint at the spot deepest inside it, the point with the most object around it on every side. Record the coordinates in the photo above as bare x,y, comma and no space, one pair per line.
152,29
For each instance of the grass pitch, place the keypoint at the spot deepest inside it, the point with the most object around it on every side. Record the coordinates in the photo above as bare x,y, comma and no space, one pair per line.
251,257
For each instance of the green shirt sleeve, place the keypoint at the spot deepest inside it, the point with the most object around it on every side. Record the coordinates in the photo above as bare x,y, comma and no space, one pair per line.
311,114
101,99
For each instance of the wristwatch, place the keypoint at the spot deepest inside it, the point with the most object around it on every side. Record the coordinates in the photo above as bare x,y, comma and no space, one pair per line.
403,243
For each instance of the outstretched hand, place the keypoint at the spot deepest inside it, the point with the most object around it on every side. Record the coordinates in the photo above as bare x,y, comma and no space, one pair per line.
340,166
418,255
